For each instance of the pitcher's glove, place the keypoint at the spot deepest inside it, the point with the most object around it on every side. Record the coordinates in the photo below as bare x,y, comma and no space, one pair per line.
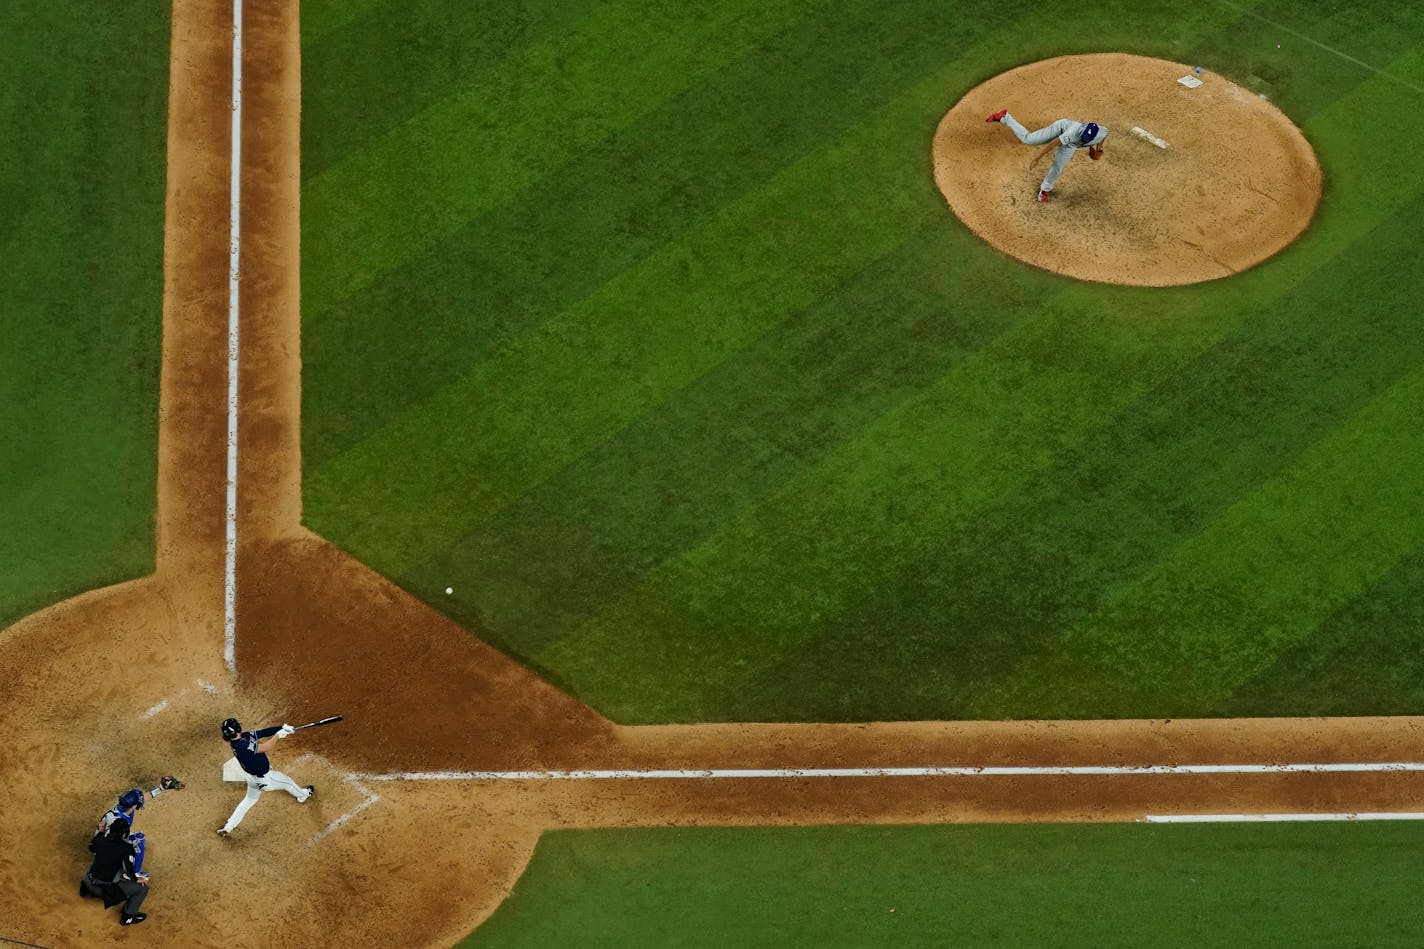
170,783
1094,152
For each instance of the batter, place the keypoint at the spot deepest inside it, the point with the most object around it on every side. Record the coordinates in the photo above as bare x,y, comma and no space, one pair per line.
250,749
1065,135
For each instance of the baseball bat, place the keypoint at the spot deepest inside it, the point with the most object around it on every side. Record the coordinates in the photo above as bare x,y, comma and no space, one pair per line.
325,721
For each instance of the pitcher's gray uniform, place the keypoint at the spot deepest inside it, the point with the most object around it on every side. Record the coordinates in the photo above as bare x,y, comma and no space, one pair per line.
1071,136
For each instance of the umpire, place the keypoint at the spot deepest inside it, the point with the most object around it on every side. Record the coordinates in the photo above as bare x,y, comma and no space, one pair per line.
112,876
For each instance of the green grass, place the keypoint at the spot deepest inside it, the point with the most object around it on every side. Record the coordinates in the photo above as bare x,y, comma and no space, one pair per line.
1283,885
83,100
647,332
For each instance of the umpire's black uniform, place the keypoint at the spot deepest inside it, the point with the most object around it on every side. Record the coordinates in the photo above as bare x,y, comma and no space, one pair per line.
111,876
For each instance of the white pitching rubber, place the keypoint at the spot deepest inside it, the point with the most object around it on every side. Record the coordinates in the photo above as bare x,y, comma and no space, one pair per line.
1143,133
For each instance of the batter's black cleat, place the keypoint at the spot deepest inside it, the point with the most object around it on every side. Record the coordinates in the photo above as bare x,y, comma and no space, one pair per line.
133,920
311,789
83,890
223,833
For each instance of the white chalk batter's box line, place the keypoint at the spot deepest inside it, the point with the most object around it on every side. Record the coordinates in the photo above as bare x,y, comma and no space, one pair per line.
927,772
370,799
368,796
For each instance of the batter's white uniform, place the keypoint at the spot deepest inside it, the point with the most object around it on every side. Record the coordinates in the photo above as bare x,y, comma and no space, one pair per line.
273,780
244,749
1069,135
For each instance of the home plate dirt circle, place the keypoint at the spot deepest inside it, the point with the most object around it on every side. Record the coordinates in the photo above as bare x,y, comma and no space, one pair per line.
1235,183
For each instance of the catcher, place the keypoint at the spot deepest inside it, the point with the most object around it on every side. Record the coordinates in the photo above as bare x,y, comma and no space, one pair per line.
127,810
1065,135
133,799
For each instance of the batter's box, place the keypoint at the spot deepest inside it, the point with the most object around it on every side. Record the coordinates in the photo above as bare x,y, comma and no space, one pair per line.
339,797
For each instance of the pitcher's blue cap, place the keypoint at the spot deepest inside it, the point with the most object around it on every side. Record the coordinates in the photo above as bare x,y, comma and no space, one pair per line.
1090,132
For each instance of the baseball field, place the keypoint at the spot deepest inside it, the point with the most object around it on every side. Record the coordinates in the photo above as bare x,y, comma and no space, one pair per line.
689,513
648,334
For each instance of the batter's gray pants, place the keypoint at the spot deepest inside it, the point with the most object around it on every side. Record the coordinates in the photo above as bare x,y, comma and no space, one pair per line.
1042,137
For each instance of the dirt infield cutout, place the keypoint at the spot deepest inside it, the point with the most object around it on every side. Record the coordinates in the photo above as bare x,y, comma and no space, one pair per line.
1235,183
381,859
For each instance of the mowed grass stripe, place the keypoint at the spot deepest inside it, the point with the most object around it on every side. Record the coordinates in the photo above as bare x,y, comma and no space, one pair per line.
928,642
420,483
81,222
1009,885
708,621
1373,178
942,631
393,201
948,648
1224,604
611,207
1365,659
746,595
323,17
1296,75
363,81
561,553
654,329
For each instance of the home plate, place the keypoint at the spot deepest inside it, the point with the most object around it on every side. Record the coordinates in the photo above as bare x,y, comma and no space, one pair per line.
1143,133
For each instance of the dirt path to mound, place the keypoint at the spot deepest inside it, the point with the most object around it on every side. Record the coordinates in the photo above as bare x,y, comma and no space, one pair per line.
1214,180
116,687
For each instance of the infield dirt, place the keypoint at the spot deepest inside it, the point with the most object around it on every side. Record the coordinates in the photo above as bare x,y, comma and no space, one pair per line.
116,687
1235,183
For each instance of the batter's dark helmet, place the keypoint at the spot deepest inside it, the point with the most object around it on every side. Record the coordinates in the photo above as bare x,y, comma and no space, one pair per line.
131,798
1090,132
231,728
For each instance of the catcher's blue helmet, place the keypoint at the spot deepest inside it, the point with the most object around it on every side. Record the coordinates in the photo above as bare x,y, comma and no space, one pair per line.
1090,132
131,798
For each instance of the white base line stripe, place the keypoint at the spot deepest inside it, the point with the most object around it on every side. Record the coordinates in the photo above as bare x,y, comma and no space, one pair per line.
233,270
955,772
368,798
343,819
1329,49
1272,818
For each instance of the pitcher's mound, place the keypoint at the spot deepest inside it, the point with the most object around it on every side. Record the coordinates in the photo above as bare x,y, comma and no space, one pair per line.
1236,182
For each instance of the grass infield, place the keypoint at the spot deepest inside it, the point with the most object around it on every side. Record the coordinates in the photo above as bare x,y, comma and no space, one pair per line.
977,885
646,331
83,101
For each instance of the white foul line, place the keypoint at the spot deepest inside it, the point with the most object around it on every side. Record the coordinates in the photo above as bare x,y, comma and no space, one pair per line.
925,772
230,588
1329,49
234,260
1274,818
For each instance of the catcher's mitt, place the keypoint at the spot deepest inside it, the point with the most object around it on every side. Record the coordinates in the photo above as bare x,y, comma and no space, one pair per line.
1094,152
170,783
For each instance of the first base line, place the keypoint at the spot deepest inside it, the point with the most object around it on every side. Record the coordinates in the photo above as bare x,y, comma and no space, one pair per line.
927,772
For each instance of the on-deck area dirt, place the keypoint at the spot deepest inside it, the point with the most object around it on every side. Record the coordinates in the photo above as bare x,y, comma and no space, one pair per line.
117,687
1236,183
